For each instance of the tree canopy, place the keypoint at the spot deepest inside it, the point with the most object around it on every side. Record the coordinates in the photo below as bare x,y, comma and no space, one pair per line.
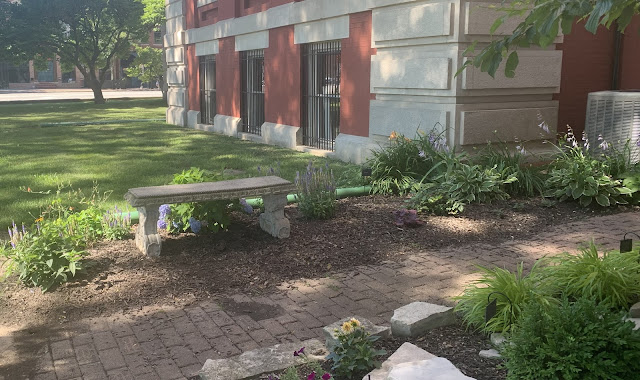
542,20
88,34
147,66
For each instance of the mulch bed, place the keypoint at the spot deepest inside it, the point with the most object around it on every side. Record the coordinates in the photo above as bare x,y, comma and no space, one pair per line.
245,259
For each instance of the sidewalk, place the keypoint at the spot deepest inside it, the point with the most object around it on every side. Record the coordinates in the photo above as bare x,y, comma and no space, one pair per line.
166,343
38,95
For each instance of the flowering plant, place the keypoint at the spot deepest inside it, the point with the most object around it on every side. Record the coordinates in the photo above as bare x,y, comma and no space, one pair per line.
316,192
354,355
292,373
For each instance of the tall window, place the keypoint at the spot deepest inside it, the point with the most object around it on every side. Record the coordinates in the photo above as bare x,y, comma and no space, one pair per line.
321,94
157,37
207,89
252,98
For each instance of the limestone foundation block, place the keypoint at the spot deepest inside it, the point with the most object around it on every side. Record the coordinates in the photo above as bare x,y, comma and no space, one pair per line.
417,318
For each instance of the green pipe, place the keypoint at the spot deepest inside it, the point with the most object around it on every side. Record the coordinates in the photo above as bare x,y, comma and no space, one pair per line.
293,198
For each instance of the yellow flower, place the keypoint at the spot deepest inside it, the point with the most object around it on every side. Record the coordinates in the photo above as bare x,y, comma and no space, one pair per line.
40,219
393,135
347,327
355,322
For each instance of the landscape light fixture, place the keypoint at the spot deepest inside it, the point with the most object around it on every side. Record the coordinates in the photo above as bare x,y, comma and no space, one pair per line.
492,307
626,245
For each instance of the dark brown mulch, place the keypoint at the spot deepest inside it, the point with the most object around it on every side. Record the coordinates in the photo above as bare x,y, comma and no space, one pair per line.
246,259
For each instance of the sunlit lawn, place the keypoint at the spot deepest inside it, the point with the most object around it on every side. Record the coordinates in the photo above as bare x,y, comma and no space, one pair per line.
116,156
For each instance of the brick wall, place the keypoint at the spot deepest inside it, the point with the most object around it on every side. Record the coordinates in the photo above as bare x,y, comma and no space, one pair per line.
192,78
228,78
282,78
355,76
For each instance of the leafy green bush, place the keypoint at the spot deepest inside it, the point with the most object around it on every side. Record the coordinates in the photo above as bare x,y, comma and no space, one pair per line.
194,216
316,192
518,287
577,175
512,163
579,340
354,356
48,256
404,163
611,277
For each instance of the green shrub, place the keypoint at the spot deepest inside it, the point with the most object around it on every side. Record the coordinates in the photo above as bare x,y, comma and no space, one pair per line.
580,340
316,192
45,257
611,277
512,163
518,287
354,355
194,216
399,167
576,175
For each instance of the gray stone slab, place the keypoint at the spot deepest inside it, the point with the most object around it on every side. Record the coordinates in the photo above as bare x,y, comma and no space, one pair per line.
261,361
490,354
194,192
410,362
331,335
636,321
417,318
634,312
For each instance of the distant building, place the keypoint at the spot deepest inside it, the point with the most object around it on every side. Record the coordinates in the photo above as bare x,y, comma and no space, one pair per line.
337,77
26,76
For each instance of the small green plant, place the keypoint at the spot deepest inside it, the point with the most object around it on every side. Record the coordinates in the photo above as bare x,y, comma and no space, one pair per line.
316,192
48,255
354,355
497,283
577,175
512,163
610,277
572,340
292,372
194,216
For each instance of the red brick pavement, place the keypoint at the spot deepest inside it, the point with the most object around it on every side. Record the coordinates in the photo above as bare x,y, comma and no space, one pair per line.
166,343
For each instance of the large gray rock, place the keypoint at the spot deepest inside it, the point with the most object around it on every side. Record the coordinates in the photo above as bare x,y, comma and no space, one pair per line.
417,318
410,362
331,337
634,312
636,321
261,361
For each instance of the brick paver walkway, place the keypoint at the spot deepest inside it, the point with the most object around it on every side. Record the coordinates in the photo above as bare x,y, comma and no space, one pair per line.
174,344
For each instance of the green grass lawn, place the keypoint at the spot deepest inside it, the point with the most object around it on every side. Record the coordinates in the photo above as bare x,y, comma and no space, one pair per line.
117,156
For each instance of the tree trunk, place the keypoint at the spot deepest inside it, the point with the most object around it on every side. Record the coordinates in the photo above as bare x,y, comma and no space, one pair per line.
96,87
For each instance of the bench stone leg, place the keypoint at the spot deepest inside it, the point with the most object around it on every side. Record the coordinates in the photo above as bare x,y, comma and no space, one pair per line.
272,219
147,237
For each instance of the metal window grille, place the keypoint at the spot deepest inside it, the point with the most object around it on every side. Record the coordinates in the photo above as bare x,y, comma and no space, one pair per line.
207,89
252,99
321,94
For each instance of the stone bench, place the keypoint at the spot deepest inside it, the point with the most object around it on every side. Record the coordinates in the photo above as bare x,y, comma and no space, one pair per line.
147,200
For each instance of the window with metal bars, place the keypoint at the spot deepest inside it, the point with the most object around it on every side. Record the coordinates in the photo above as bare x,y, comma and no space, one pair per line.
252,97
207,89
321,94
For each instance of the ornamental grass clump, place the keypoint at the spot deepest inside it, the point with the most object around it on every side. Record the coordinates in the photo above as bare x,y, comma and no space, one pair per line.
354,355
316,192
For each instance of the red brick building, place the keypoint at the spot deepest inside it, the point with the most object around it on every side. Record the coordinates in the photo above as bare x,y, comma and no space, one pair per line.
336,77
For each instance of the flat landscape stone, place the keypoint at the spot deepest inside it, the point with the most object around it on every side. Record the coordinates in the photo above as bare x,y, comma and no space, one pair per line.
490,354
636,321
261,361
634,312
410,362
332,338
417,318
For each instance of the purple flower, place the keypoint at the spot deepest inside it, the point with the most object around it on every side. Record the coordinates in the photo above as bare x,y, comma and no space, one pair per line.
195,225
245,206
422,154
162,224
165,210
312,376
299,352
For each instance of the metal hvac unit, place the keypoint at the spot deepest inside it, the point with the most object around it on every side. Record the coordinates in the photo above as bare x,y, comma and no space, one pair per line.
615,115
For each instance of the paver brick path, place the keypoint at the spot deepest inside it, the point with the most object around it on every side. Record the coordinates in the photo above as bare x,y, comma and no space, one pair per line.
166,343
